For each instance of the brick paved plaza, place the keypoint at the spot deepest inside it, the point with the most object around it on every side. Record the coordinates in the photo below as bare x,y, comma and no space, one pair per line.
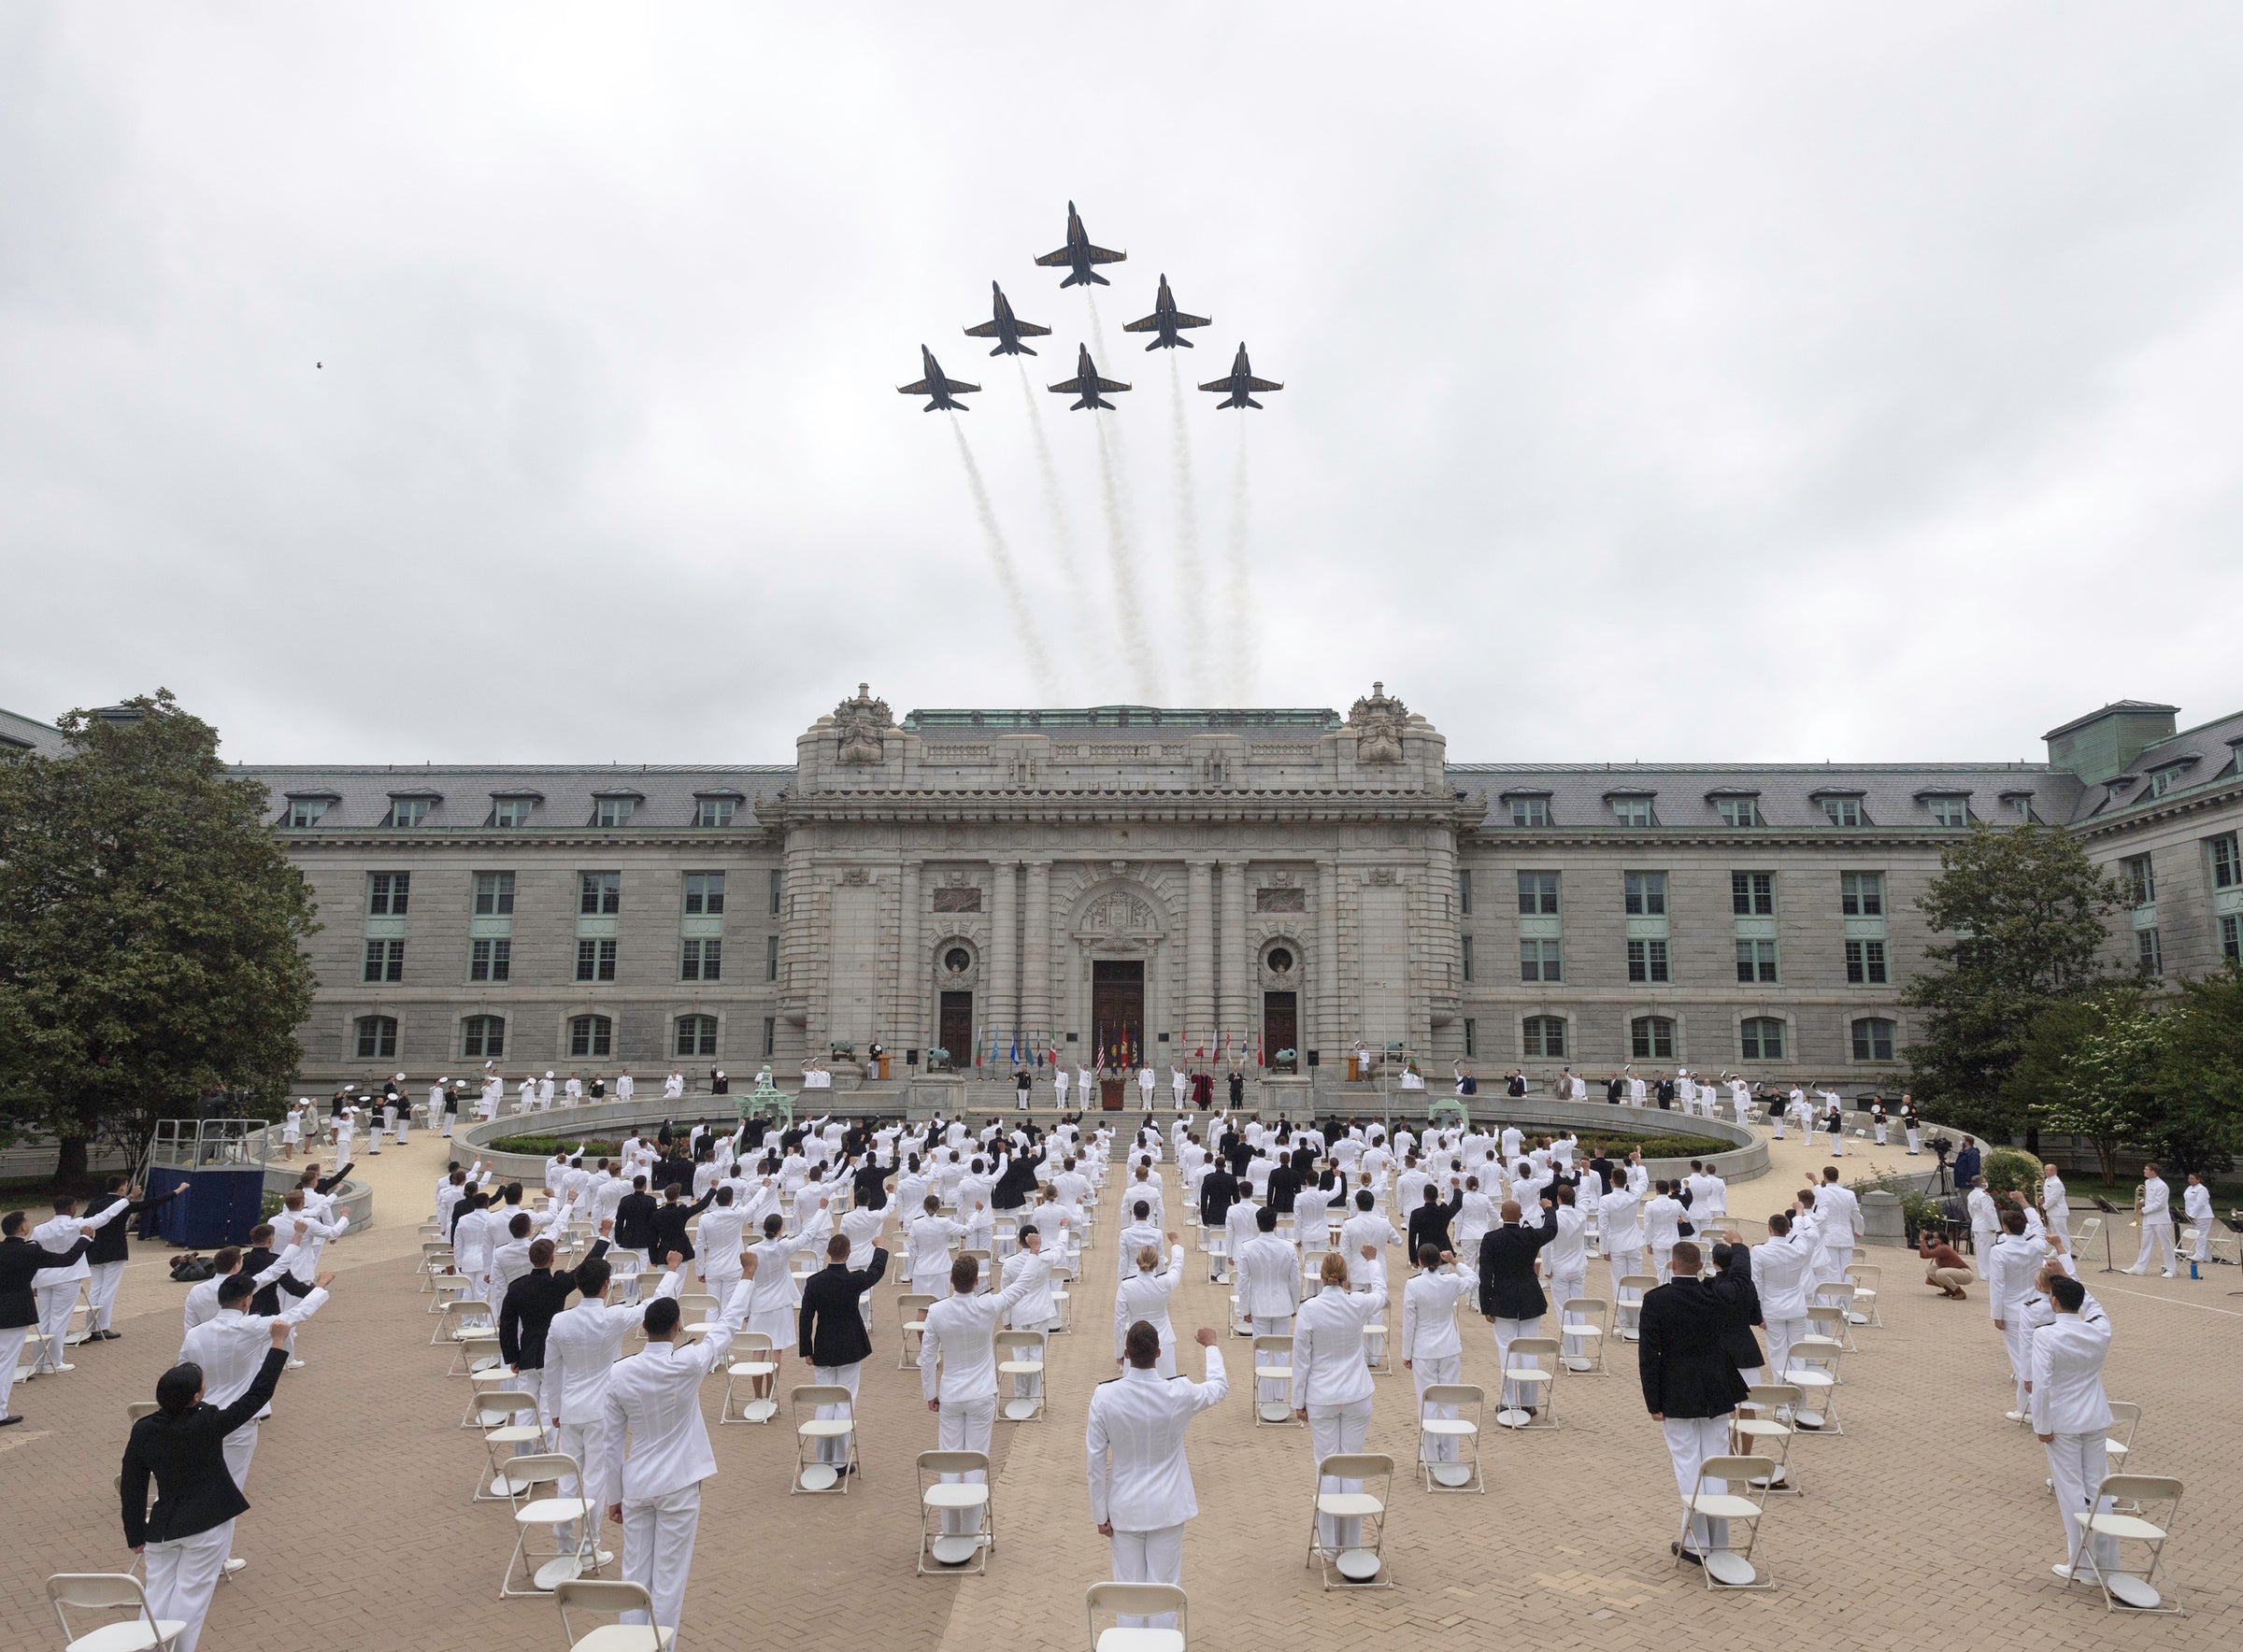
1926,1525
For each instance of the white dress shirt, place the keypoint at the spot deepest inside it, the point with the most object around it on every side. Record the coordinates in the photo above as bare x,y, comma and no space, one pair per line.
1429,1313
2067,1377
656,1395
1144,1296
60,1233
960,1337
1328,1366
2157,1201
1269,1278
231,1346
581,1349
1779,1275
1140,1479
1619,1215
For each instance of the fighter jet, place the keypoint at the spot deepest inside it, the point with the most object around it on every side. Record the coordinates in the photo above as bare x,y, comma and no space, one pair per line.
1237,382
1006,328
1087,384
1166,320
943,390
1077,255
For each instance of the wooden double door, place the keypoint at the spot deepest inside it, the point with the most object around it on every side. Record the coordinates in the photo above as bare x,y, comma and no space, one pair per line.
1117,1007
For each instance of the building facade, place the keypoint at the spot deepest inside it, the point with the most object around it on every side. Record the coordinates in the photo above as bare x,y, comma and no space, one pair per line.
1168,883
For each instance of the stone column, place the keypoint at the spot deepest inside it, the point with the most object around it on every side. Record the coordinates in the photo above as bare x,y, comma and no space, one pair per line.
1036,956
1199,955
1001,1015
909,1029
1331,1038
1237,967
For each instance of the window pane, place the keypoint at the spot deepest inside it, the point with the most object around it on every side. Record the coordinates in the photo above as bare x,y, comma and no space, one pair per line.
1464,894
771,958
1467,957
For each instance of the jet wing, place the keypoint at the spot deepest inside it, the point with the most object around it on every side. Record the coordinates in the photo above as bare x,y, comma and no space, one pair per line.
958,387
1029,329
921,389
1057,259
1146,325
1222,384
1072,386
1110,384
1184,320
1100,255
986,330
1252,384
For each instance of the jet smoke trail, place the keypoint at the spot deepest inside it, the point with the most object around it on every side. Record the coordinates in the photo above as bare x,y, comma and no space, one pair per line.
1239,596
1189,571
1063,529
1024,621
1121,558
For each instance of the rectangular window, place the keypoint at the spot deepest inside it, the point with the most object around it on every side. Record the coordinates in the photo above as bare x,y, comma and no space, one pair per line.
595,960
703,956
493,894
1843,811
2166,780
1872,1040
2149,952
2230,937
490,961
1471,1038
1861,894
704,893
2139,879
1866,962
305,811
1530,811
1538,962
600,894
713,811
1645,893
771,958
1738,811
1539,893
386,894
1950,811
377,1037
511,812
385,961
407,811
483,1036
2021,805
1543,1035
1752,894
770,1035
613,811
1631,811
1467,957
1756,960
1760,1039
1464,894
778,882
1647,961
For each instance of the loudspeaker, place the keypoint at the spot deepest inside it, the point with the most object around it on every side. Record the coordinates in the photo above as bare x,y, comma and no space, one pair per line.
1312,1058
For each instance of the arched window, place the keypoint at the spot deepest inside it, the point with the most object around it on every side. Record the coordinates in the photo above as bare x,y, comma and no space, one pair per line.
1652,1038
1873,1039
1544,1035
1760,1038
483,1036
591,1035
696,1035
377,1037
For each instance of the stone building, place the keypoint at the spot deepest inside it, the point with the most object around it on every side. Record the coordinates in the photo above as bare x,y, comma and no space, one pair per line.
1126,877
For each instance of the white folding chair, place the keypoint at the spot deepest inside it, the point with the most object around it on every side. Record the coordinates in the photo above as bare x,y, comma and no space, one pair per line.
1272,1362
495,1411
2146,1496
485,1382
810,1430
611,1598
1020,1354
531,1514
1363,1565
1827,1332
1627,1298
751,1360
1765,1433
1137,1600
1586,1320
912,1313
1470,1401
1532,1363
696,1307
1865,1278
110,1591
136,1409
1731,1504
938,1497
1814,1371
1374,1348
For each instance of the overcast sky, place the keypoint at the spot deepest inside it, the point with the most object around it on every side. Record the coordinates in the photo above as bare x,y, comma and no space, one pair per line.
488,383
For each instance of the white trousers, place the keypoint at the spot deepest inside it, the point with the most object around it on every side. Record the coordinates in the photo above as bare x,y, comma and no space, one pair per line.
1507,1331
12,1349
101,1290
2017,1340
1425,1372
1563,1288
2076,1464
1782,1333
2157,1241
658,1550
1838,1143
1836,1258
1663,1262
587,1444
1149,1557
55,1303
183,1574
1623,1263
965,1425
1268,1388
2203,1253
834,1448
1333,1429
1690,1440
239,1447
1915,1139
1880,1132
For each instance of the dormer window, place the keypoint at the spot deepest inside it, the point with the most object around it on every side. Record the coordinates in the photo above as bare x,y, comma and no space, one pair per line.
408,811
713,811
1738,811
2166,780
306,812
509,812
1949,811
1631,808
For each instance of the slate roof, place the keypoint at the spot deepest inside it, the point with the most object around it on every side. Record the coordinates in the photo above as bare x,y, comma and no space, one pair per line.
2209,754
1788,794
23,734
563,797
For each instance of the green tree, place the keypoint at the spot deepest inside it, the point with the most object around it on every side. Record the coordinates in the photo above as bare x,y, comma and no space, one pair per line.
2089,1067
2199,1080
2021,915
150,932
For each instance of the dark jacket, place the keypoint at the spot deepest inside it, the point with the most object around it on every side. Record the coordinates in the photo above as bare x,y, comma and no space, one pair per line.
870,1184
112,1241
1507,1287
1429,1225
830,1327
1284,1186
1739,1298
1217,1192
1016,1184
531,1302
186,1454
633,1221
668,1228
267,1300
20,1258
1686,1369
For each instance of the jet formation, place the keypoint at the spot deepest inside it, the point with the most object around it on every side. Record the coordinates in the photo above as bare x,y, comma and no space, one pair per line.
1079,258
